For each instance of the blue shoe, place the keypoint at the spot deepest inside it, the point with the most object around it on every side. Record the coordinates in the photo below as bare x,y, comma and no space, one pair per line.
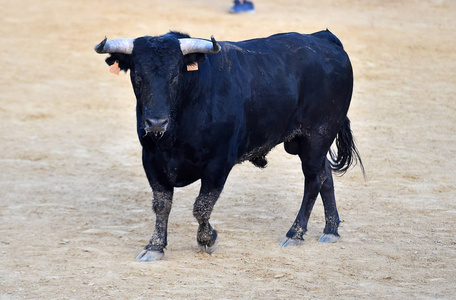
239,7
248,7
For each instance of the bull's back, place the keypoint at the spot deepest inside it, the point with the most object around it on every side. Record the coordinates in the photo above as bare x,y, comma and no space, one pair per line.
285,68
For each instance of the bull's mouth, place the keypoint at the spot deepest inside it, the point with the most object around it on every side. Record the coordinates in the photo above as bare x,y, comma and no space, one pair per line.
157,134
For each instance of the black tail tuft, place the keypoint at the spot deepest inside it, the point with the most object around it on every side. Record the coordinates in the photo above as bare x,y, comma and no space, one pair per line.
347,153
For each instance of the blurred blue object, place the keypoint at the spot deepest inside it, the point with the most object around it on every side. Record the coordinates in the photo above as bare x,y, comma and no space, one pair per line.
245,6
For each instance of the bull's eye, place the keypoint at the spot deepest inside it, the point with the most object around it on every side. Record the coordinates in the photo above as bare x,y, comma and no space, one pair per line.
138,81
174,81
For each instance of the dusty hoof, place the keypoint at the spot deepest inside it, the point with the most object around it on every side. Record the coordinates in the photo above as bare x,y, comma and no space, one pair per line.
329,238
291,242
149,255
207,249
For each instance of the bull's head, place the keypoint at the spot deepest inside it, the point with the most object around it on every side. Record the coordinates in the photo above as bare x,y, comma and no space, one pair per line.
157,65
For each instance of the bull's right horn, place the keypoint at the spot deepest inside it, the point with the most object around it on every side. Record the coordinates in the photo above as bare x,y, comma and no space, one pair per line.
124,46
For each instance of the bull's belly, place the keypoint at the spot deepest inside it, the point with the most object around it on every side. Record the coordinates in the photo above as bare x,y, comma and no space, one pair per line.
260,141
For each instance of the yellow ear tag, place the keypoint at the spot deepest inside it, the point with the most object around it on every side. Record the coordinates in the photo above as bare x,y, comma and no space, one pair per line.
192,67
114,69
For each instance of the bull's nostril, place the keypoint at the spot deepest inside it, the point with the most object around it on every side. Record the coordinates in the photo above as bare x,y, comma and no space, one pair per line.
157,124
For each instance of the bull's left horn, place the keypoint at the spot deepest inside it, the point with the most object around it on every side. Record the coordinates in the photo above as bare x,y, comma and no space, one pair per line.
124,46
189,45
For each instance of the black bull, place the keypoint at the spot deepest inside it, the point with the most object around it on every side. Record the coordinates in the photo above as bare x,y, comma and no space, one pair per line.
203,107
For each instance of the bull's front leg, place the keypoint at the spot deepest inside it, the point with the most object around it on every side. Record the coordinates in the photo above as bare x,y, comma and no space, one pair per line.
211,188
202,209
161,205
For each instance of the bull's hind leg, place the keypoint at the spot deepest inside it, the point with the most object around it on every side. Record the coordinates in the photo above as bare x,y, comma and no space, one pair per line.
312,184
318,178
330,234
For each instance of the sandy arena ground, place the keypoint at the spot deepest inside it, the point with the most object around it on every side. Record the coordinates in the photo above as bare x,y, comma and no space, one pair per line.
75,204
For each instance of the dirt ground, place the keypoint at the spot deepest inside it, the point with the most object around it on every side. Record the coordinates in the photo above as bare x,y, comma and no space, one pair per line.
75,204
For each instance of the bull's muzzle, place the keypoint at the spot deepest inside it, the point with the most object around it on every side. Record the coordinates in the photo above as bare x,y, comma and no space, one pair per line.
157,126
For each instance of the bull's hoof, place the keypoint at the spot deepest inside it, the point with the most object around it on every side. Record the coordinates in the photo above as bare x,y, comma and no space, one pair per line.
329,238
291,242
150,255
208,249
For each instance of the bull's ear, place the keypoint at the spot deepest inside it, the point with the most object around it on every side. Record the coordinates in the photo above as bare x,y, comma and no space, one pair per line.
194,58
122,59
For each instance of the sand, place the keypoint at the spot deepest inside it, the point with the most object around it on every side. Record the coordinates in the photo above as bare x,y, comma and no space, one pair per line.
75,203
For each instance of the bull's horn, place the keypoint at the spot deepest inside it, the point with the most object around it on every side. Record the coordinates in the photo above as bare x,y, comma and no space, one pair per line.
190,45
124,46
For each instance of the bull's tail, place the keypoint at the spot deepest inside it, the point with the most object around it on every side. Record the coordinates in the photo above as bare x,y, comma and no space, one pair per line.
347,153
